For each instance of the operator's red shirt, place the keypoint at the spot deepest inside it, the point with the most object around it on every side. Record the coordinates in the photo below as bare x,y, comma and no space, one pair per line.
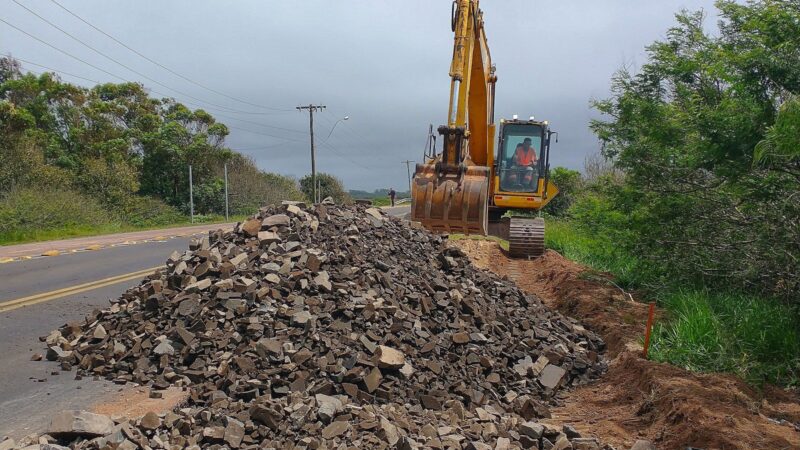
525,158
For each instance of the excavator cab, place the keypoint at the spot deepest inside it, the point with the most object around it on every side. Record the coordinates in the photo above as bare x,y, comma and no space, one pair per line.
521,166
519,157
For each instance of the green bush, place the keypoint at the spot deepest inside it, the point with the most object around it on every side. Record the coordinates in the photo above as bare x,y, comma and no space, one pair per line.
594,250
140,211
249,188
40,213
570,184
330,186
598,235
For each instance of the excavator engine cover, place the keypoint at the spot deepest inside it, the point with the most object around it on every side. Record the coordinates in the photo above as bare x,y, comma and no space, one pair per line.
451,202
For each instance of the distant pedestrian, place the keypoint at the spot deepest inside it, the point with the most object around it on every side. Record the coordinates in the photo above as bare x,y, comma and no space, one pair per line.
392,195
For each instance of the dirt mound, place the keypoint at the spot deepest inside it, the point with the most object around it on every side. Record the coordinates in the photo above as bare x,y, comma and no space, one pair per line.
675,408
637,398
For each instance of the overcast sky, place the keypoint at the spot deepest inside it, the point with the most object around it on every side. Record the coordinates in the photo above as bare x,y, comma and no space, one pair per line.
382,63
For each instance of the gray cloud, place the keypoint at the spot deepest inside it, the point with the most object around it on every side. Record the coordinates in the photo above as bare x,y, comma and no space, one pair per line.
382,63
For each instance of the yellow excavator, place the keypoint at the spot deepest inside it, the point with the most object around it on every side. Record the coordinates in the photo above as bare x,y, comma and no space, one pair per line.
472,183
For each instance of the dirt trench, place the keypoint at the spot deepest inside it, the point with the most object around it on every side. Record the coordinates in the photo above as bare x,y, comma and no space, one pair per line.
637,398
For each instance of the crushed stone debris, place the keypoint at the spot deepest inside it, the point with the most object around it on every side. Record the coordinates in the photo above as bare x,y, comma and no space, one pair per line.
328,326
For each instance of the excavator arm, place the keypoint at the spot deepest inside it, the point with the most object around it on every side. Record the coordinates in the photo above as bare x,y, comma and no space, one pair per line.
472,81
450,192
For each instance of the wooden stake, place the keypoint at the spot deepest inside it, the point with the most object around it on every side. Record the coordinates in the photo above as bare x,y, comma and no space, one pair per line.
647,332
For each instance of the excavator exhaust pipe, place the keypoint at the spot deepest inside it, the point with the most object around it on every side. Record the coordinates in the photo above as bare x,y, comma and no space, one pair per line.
451,202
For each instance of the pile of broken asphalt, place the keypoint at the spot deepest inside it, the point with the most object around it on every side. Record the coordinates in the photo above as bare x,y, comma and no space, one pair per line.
328,327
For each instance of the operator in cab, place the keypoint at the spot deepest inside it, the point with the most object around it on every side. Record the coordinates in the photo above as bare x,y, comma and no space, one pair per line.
524,160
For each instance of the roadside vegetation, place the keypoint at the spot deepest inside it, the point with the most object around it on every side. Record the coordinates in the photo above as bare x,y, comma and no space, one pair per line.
78,161
695,200
379,197
329,186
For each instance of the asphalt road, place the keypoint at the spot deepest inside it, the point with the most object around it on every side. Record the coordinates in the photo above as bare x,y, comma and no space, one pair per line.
398,211
26,403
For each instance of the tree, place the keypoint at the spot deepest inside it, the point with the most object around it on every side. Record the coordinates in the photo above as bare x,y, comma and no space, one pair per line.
330,186
706,135
569,184
123,148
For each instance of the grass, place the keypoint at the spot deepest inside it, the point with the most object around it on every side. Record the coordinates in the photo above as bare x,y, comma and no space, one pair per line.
27,236
593,251
31,215
755,338
24,236
381,201
385,201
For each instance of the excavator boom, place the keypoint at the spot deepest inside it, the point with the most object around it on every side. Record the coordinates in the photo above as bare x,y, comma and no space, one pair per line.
450,192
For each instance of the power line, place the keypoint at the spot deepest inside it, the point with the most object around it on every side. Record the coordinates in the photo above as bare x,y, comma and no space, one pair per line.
345,157
62,51
335,151
263,125
346,130
152,80
349,142
55,71
357,135
262,134
245,149
161,65
347,139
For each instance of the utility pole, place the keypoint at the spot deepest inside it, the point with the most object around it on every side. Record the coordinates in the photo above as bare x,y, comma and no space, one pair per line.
226,191
311,109
408,169
191,194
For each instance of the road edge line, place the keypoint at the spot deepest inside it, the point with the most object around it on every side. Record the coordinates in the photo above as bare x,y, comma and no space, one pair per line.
11,305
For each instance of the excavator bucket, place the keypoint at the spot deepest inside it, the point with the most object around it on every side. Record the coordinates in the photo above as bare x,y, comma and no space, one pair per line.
451,203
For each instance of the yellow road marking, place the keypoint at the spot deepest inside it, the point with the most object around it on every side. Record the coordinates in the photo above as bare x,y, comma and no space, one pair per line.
53,295
94,247
6,260
51,253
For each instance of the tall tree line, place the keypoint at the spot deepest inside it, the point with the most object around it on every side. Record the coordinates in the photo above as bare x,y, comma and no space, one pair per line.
119,145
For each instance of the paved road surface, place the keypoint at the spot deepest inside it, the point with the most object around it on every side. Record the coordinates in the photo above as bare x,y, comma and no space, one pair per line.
26,403
398,211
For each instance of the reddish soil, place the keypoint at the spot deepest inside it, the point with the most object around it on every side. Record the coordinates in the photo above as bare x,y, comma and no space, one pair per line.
134,402
637,398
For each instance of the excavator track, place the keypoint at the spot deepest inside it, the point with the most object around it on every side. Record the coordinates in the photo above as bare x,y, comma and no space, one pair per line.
526,237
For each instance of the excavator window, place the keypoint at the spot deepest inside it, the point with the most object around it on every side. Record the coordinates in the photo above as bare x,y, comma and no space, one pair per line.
518,161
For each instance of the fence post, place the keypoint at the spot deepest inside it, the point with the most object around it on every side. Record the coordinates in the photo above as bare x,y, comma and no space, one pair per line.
191,194
226,191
